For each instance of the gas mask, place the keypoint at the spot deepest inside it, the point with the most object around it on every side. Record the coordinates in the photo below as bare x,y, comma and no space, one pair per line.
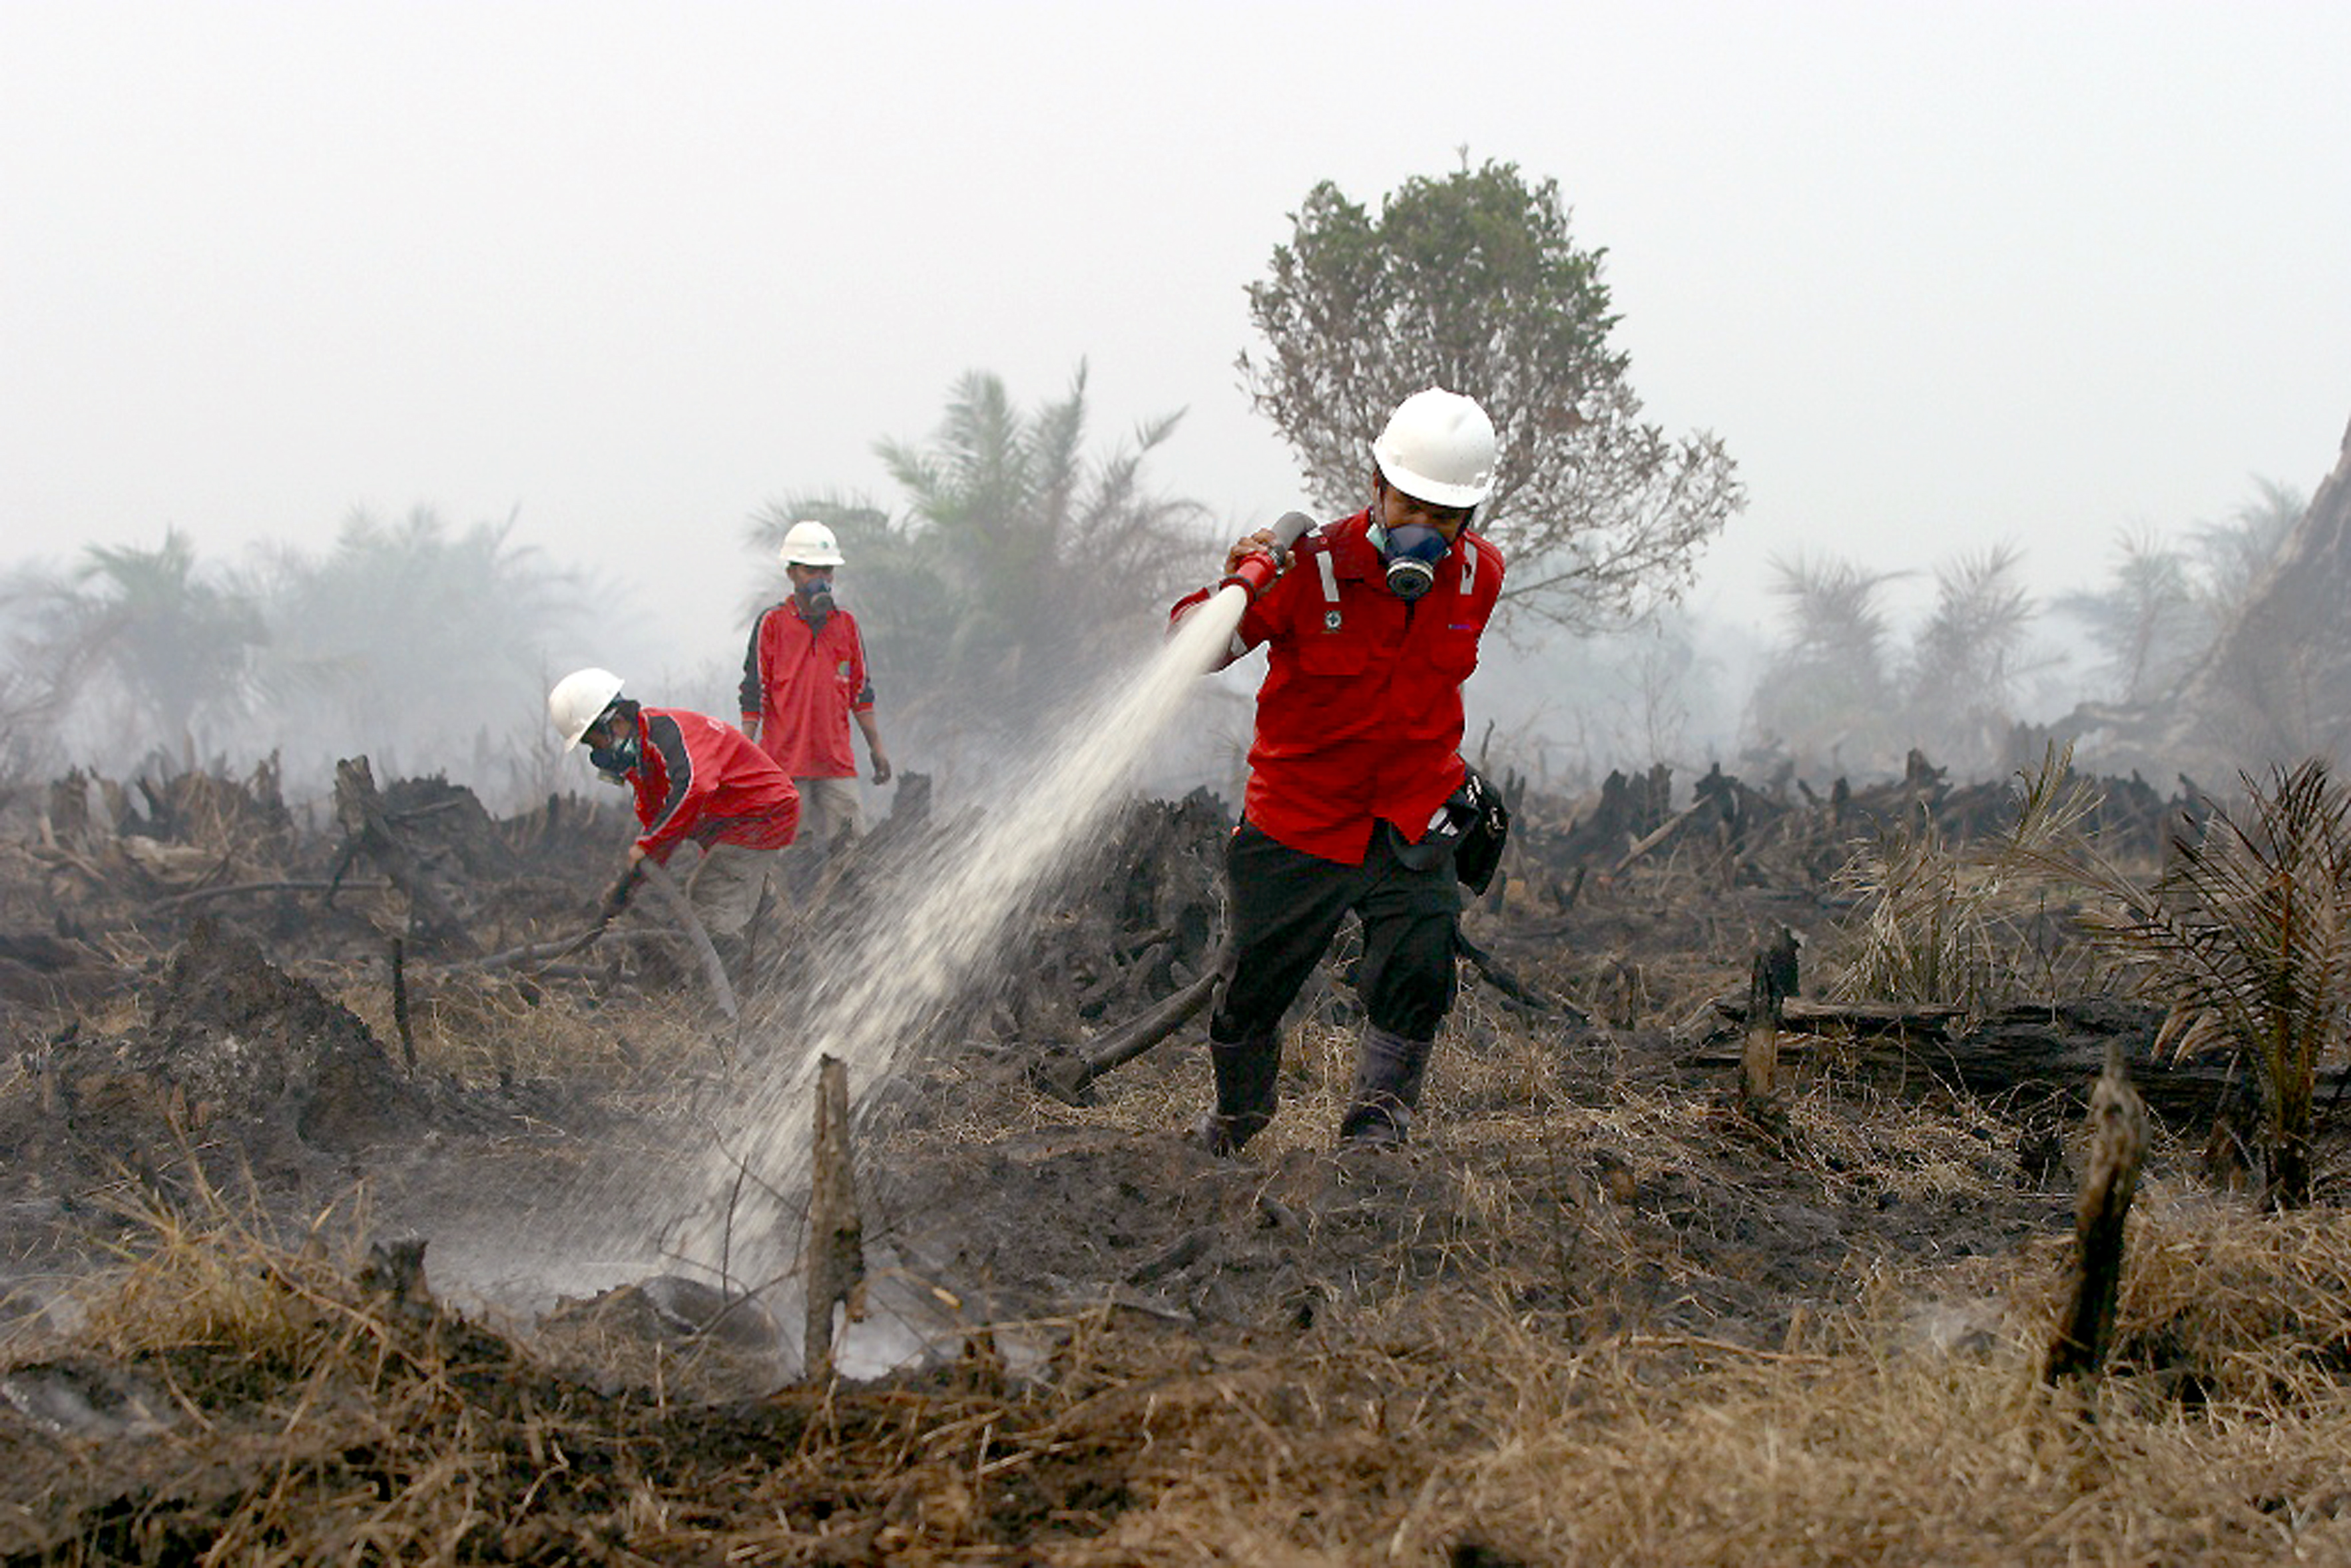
615,760
815,595
1411,553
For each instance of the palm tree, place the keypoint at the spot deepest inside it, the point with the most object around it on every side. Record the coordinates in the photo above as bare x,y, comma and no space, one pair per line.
2147,620
2234,552
1014,558
1825,692
176,643
409,632
1965,660
2246,938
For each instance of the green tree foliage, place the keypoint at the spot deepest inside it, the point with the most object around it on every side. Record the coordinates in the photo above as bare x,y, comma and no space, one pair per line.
1015,561
1474,282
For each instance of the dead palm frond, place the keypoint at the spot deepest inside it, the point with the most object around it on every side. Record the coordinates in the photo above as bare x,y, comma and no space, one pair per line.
1949,927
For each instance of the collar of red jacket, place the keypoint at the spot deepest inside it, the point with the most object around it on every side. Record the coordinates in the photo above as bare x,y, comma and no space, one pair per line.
1350,545
1353,555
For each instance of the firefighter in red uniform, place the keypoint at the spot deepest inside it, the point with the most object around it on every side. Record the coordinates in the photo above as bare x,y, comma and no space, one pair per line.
1371,628
696,779
804,680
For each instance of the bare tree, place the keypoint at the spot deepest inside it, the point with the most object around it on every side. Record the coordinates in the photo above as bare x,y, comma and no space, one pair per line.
1474,282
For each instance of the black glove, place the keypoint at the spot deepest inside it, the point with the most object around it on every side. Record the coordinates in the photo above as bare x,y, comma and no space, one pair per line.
617,898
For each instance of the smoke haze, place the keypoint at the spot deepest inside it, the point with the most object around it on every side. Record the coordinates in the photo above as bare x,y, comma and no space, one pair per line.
612,277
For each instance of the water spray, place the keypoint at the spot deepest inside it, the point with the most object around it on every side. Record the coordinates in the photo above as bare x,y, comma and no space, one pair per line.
874,1001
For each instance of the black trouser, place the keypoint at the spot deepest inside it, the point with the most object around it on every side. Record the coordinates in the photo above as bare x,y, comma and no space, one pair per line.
1287,906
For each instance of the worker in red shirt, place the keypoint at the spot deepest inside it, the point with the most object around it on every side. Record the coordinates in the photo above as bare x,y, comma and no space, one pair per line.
804,680
697,779
1369,629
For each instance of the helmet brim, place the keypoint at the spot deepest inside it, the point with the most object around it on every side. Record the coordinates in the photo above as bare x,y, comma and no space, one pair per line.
1422,488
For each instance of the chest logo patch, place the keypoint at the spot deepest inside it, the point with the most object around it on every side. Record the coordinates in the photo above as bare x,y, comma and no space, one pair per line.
1330,621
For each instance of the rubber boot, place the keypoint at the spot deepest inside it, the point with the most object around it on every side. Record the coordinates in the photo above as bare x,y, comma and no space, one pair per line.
1246,1093
1388,1073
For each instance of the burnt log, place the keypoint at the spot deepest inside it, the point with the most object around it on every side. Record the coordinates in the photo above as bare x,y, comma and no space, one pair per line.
1505,980
1069,1077
2044,1051
238,889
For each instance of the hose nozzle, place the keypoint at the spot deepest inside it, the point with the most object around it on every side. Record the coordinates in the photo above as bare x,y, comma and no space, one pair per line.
1256,572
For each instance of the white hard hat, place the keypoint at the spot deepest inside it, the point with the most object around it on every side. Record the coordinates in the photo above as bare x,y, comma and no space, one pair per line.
579,700
811,544
1439,447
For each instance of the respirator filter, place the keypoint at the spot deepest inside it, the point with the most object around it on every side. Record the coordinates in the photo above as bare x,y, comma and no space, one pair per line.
1411,554
815,597
612,761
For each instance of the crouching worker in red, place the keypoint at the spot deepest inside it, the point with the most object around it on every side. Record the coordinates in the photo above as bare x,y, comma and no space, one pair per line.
1369,629
696,779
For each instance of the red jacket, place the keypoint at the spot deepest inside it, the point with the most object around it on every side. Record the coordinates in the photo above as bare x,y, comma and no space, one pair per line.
801,684
1360,715
696,777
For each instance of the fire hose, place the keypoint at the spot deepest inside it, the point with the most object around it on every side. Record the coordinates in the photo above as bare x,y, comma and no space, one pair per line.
1257,571
673,899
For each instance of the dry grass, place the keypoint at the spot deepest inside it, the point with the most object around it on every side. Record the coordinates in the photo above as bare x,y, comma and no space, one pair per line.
1540,1396
483,1028
1903,1423
1865,1441
1861,1442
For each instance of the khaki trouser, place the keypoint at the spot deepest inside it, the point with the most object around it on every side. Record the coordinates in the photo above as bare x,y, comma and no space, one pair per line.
830,813
725,888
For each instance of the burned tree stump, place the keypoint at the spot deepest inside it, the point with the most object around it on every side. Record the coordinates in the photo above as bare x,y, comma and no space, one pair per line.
400,1004
368,829
1772,982
836,1241
2118,1144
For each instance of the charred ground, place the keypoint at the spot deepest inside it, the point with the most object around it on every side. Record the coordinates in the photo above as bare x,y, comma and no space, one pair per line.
245,1067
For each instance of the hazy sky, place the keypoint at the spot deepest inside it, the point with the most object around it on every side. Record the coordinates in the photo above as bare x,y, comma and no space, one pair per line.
1941,275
